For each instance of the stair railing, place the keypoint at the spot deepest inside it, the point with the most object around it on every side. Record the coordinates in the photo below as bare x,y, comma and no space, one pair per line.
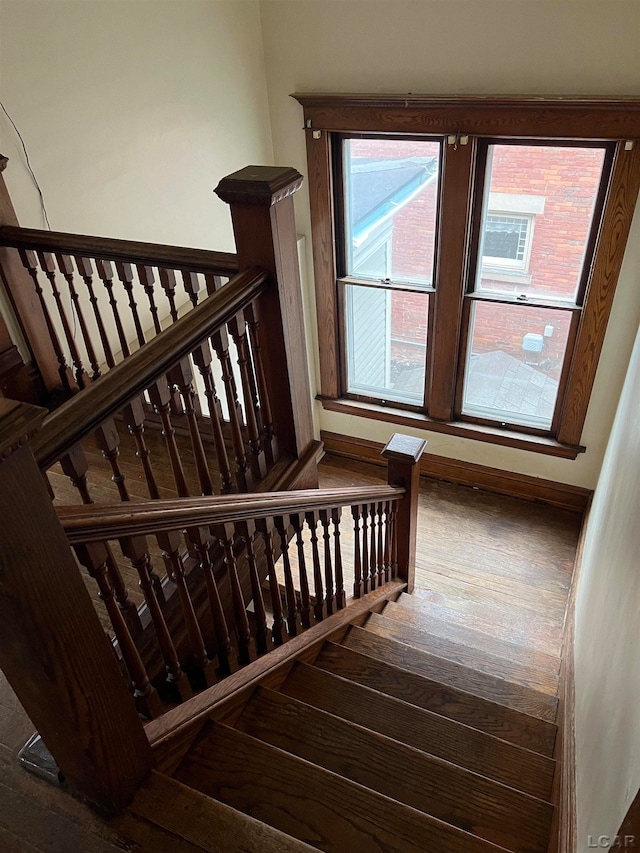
53,650
304,539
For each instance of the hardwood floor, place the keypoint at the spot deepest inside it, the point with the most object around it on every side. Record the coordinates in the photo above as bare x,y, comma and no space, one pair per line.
496,566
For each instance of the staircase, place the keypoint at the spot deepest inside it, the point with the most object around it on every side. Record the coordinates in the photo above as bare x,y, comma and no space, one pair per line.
404,734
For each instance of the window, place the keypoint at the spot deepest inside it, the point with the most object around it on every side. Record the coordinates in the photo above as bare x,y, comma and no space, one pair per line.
471,274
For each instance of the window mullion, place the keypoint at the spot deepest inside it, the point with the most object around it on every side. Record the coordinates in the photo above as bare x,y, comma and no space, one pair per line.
453,234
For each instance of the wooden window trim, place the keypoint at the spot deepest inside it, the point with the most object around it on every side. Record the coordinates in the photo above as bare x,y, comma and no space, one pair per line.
587,120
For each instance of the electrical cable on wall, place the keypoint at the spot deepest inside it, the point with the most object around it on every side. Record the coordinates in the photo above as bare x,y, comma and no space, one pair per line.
31,172
42,203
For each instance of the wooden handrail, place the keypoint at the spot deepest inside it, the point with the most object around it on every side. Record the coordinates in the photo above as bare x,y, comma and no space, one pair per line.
91,523
105,397
107,248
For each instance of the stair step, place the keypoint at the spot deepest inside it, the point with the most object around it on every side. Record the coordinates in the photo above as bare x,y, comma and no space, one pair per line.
498,720
477,608
439,736
456,796
540,661
414,632
308,802
447,672
202,823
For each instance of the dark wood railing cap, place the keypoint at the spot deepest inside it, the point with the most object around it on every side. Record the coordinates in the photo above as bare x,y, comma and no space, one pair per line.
18,423
259,185
405,448
3,162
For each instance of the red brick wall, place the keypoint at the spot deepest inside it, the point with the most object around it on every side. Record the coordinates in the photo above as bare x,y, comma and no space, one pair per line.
568,181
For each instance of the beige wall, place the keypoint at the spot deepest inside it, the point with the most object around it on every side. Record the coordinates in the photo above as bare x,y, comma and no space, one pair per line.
562,47
607,652
132,110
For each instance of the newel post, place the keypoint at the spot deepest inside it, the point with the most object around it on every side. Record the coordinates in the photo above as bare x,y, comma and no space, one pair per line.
261,201
403,453
53,649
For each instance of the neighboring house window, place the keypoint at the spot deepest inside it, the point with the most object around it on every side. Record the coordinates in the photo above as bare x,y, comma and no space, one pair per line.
507,241
470,273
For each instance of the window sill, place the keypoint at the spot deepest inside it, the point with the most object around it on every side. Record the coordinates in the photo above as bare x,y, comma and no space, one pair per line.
491,435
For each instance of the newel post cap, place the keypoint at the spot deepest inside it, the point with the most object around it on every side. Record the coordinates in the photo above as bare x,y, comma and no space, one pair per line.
18,423
404,448
263,186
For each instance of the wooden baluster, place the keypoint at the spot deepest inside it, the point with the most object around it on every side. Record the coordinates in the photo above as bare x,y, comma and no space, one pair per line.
248,530
199,540
358,584
297,522
108,441
168,282
373,556
74,464
125,274
387,541
133,415
213,283
403,453
182,376
47,263
220,342
328,569
341,598
86,271
225,534
274,589
394,540
365,549
169,542
65,265
289,588
30,263
381,562
160,396
269,440
320,605
191,285
147,279
95,557
202,358
237,327
136,551
105,272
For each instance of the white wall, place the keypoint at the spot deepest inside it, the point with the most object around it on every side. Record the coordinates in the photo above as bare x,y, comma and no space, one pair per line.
132,111
555,47
607,652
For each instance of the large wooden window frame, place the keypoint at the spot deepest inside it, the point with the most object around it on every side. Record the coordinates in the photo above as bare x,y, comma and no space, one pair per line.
470,123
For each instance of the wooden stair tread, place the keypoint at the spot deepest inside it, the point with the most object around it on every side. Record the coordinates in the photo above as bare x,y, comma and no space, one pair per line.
408,632
544,663
205,823
456,796
495,689
439,736
309,802
514,625
498,720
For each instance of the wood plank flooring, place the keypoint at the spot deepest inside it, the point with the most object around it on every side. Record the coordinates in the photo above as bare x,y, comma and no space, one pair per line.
507,577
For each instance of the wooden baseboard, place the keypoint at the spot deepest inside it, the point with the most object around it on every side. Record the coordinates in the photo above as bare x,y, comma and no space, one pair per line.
468,473
565,830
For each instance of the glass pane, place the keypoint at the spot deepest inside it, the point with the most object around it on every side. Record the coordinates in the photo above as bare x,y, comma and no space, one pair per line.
514,363
386,334
391,198
537,215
